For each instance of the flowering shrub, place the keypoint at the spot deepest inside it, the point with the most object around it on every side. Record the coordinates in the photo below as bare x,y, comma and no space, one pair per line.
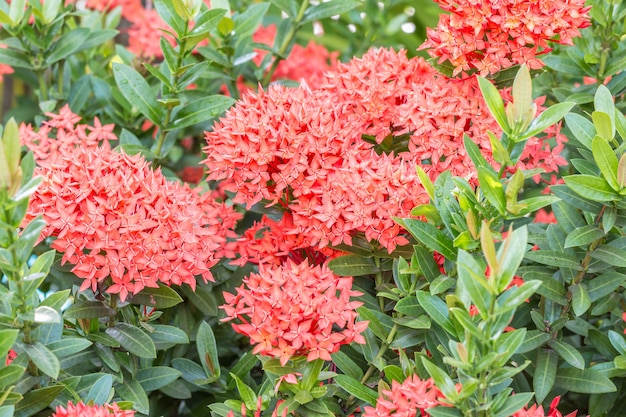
282,209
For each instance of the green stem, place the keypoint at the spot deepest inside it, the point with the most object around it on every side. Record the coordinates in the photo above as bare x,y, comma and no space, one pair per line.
286,42
43,88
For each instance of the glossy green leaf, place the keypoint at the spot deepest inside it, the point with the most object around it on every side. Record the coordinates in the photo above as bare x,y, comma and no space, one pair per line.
580,299
356,388
246,393
515,296
611,255
248,21
606,160
352,266
165,337
347,365
431,237
379,323
582,236
585,381
510,255
582,128
160,297
67,45
475,154
426,182
36,400
545,373
133,339
437,310
441,411
68,346
132,391
201,110
603,102
618,342
513,404
10,374
207,22
547,118
88,310
554,258
14,59
533,339
156,377
43,358
137,91
604,127
7,339
190,371
604,285
207,351
441,378
167,12
100,390
327,9
568,353
475,283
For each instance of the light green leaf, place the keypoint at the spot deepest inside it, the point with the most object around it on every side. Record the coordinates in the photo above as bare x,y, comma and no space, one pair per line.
494,102
593,188
554,258
10,374
327,9
603,124
582,128
247,22
68,346
441,378
137,91
381,324
603,102
437,310
246,393
7,340
356,388
513,404
167,12
201,110
431,237
474,282
67,45
547,118
492,188
606,160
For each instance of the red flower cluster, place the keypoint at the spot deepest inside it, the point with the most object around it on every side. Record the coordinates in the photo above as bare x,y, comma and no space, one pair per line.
406,399
304,150
491,35
296,310
83,410
123,225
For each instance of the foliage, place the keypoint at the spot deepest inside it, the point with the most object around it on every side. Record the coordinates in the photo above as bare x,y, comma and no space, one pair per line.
263,207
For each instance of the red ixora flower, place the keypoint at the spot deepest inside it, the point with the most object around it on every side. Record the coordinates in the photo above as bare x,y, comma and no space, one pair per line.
83,410
295,310
488,36
407,399
122,224
537,411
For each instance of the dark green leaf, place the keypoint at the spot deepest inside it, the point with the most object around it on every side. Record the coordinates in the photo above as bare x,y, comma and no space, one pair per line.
156,377
437,310
201,110
604,285
381,324
14,58
88,310
356,388
582,129
431,237
352,266
36,400
568,352
580,299
585,381
248,21
207,351
513,404
545,373
43,358
100,390
68,346
554,258
611,255
160,298
582,236
133,339
132,391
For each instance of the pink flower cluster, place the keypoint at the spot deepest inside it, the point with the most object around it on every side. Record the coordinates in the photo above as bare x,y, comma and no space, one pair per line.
123,225
537,411
491,35
83,410
411,398
295,310
304,149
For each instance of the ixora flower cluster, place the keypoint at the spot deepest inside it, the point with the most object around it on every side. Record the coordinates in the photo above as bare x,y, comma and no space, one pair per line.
83,410
407,399
305,150
296,310
121,223
489,36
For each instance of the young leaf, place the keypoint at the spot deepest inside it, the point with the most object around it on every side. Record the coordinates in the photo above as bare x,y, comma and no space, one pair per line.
603,102
606,160
474,282
427,183
603,124
494,102
492,189
547,118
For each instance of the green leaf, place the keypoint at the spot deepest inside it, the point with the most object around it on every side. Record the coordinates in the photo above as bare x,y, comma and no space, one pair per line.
68,346
509,343
515,296
568,352
14,58
290,7
379,323
246,393
510,256
167,12
10,374
207,351
547,118
611,255
7,340
248,21
582,236
604,285
207,22
88,310
36,400
132,391
474,282
274,367
534,339
43,358
513,404
475,154
137,91
582,128
606,160
604,127
96,38
545,373
201,110
160,298
494,102
437,310
156,377
328,9
353,266
585,381
133,339
191,371
554,258
165,337
441,411
492,188
441,378
616,339
67,45
431,237
100,390
603,102
426,182
580,299
356,388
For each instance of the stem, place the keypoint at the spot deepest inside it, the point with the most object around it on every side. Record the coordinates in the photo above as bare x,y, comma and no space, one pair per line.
286,42
43,88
